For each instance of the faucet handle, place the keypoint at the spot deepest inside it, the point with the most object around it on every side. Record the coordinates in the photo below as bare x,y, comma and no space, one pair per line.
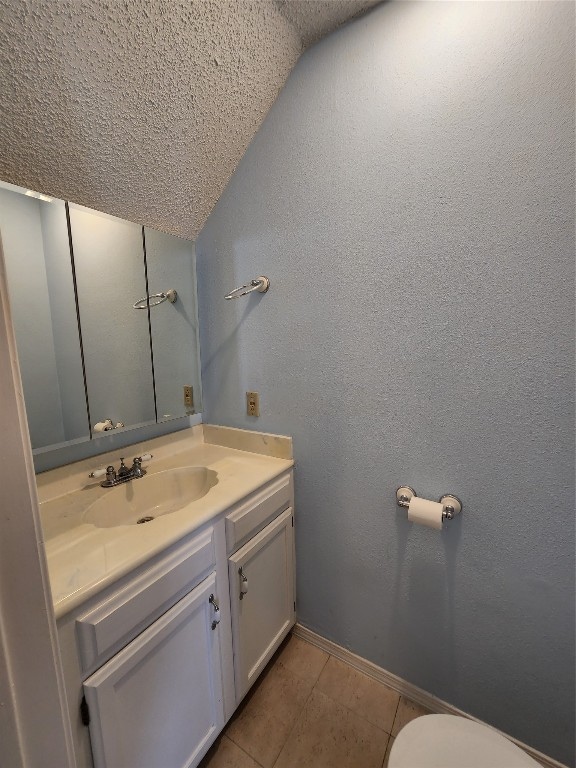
144,457
110,475
123,469
137,470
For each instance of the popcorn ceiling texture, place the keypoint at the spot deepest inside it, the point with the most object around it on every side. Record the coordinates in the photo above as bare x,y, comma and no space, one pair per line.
143,109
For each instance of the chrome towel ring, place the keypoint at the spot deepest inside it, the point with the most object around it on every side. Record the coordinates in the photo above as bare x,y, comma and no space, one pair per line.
147,301
260,284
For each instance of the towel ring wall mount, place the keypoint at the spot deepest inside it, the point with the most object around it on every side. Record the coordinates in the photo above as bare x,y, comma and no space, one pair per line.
156,298
260,284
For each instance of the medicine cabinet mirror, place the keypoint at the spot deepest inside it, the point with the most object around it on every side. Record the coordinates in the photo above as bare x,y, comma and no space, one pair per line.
105,318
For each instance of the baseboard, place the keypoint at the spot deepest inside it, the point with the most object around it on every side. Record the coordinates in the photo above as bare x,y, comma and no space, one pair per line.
405,688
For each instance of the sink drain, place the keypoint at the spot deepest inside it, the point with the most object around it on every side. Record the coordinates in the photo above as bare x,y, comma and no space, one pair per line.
144,519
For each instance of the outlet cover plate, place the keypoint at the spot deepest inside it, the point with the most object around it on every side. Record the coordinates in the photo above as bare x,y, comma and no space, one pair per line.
252,403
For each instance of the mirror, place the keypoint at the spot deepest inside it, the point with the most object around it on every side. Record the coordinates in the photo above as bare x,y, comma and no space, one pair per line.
174,326
37,255
110,276
95,342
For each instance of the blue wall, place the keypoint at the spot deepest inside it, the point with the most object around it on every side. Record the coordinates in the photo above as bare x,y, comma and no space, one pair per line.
410,196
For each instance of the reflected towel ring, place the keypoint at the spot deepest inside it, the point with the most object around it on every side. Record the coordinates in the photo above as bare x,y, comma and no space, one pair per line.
170,296
260,284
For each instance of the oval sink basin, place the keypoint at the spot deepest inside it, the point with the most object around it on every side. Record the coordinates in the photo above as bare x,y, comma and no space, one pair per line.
149,497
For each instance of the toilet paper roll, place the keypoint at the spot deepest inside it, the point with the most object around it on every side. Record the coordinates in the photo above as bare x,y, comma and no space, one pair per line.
425,512
103,426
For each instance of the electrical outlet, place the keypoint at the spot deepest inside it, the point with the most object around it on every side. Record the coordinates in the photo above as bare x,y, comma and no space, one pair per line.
252,403
188,398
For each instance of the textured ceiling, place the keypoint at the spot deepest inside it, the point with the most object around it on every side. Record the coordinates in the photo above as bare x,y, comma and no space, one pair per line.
315,18
143,109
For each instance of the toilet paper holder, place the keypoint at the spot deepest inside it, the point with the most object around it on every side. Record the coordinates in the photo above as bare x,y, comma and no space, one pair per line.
452,504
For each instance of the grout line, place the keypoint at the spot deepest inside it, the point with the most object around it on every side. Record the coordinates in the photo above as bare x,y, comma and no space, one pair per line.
388,748
410,691
225,735
350,709
396,714
246,753
328,657
296,720
242,750
356,713
302,677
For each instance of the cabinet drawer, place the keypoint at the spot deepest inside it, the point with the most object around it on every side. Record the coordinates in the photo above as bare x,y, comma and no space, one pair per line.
251,516
106,629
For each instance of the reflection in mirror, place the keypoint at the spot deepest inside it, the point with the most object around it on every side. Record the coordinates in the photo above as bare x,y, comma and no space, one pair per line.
36,251
171,265
88,358
110,277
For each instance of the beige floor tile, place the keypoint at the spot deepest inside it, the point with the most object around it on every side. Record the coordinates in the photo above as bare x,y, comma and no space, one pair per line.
328,734
387,755
225,754
264,720
302,658
407,710
360,693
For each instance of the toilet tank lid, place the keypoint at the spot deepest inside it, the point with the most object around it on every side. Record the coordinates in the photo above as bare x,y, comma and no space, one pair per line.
448,741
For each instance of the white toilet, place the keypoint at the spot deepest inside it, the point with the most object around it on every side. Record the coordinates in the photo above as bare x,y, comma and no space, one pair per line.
447,741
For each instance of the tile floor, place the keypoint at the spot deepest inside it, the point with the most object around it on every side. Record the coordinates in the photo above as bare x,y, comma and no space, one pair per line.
308,709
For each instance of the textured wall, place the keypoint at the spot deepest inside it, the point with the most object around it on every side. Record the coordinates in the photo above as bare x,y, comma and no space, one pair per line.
410,196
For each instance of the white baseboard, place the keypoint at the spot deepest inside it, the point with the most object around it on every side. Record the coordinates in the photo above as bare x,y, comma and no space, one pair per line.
405,688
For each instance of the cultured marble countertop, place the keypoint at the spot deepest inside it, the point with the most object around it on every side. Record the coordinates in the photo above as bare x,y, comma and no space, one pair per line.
83,559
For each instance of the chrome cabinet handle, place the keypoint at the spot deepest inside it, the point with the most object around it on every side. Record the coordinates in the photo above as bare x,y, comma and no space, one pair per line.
216,620
243,582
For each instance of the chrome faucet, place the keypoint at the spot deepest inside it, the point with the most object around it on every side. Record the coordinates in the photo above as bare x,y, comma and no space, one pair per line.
124,473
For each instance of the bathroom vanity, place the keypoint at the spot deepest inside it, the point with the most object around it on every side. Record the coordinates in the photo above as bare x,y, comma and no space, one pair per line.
165,625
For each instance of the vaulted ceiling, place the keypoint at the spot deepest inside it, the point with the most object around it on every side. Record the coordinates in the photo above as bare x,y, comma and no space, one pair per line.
143,109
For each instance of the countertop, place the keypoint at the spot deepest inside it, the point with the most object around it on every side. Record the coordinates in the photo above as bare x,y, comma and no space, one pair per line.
83,559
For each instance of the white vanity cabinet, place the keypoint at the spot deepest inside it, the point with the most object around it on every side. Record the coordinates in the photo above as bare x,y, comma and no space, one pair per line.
148,661
157,662
262,579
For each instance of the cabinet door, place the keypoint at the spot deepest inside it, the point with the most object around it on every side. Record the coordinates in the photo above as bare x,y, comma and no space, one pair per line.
263,608
159,701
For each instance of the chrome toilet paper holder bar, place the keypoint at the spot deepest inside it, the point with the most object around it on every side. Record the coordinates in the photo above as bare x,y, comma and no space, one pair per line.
452,504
